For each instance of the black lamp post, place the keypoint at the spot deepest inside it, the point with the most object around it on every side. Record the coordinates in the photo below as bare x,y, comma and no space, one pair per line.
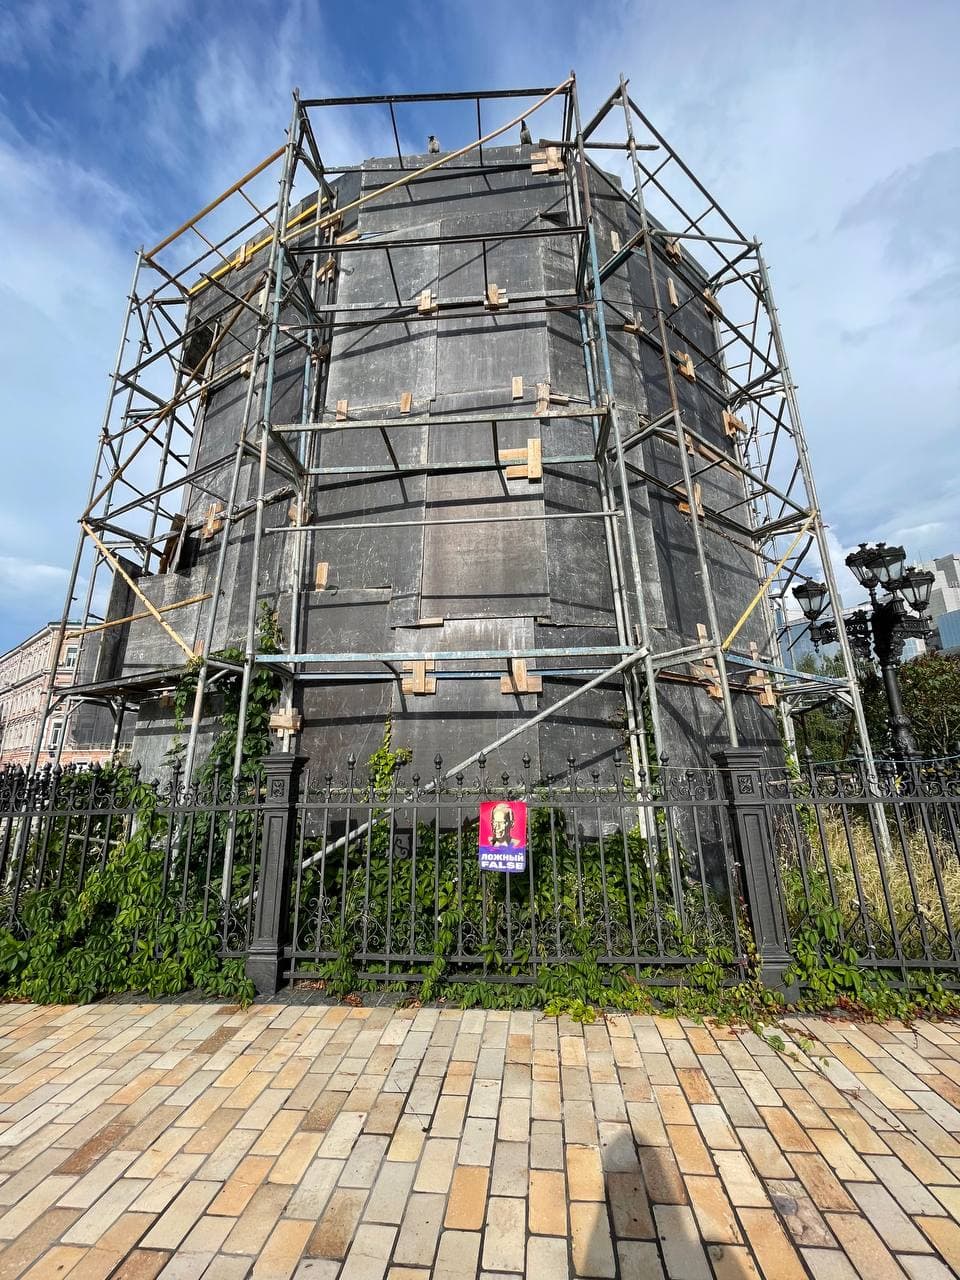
881,631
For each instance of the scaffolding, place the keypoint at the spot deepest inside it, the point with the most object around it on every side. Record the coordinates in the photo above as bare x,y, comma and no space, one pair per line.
276,266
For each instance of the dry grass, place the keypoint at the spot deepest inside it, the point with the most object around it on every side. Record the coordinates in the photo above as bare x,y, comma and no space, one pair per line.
879,897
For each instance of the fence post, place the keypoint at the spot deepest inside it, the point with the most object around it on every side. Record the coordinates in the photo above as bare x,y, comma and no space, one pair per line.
753,839
272,887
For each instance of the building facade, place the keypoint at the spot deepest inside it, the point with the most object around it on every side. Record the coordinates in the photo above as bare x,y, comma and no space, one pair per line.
69,737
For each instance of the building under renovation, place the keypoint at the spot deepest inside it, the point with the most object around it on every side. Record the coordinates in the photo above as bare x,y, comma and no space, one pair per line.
502,433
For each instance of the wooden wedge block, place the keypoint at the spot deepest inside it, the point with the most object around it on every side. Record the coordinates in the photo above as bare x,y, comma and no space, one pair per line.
672,292
342,407
417,681
212,520
543,398
348,236
326,268
517,388
406,401
425,303
672,249
520,680
711,303
546,161
495,298
286,721
320,575
685,365
732,424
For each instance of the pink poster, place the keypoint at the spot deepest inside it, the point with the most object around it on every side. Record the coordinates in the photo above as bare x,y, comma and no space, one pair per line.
503,835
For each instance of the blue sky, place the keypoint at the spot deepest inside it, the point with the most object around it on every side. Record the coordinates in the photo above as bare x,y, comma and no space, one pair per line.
829,130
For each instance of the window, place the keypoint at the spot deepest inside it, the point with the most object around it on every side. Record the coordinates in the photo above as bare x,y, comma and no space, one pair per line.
55,734
69,658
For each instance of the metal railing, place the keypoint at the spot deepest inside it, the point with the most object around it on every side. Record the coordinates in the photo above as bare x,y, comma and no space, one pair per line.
381,875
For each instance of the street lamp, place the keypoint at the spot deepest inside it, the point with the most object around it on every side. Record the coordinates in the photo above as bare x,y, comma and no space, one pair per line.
881,631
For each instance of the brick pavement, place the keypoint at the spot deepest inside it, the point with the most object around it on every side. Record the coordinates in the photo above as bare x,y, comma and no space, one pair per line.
298,1142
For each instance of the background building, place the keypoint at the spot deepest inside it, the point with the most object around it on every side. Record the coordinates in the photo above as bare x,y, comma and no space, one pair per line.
74,733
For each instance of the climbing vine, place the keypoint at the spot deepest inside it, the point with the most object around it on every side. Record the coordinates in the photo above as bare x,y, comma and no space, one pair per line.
147,918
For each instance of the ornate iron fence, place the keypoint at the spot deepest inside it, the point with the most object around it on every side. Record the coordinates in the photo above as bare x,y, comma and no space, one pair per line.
305,871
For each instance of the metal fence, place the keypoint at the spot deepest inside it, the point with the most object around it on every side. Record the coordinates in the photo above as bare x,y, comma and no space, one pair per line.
304,870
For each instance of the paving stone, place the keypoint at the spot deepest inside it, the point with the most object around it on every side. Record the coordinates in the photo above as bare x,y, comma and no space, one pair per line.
314,1189
511,1162
639,1261
683,1250
417,1241
803,1219
863,1246
713,1210
504,1240
466,1207
892,1224
584,1173
627,1198
476,1146
436,1165
547,1203
546,1145
770,1244
822,1187
829,1264
458,1256
546,1259
331,1236
388,1199
945,1236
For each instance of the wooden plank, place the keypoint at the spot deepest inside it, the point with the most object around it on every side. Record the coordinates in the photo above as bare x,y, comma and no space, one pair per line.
543,397
672,292
512,455
425,303
135,617
342,407
406,401
520,680
534,459
673,250
348,237
517,388
518,472
320,575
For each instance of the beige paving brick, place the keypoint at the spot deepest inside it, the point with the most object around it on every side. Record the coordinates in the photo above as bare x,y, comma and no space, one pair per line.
579,1122
331,1236
458,1256
448,1118
627,1198
547,1203
773,1250
243,1182
841,1157
741,1183
283,1251
863,1246
171,1227
688,1149
683,1250
945,1237
804,1222
546,1145
408,1139
546,1259
504,1241
821,1185
511,1161
34,1240
254,1225
715,1127
909,1193
787,1133
466,1206
369,1253
584,1173
647,1124
476,1146
388,1199
892,1224
436,1165
829,1264
104,1212
37,1202
712,1209
661,1176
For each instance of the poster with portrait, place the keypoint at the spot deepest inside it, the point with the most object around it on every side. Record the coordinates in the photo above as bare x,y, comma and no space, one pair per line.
503,835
